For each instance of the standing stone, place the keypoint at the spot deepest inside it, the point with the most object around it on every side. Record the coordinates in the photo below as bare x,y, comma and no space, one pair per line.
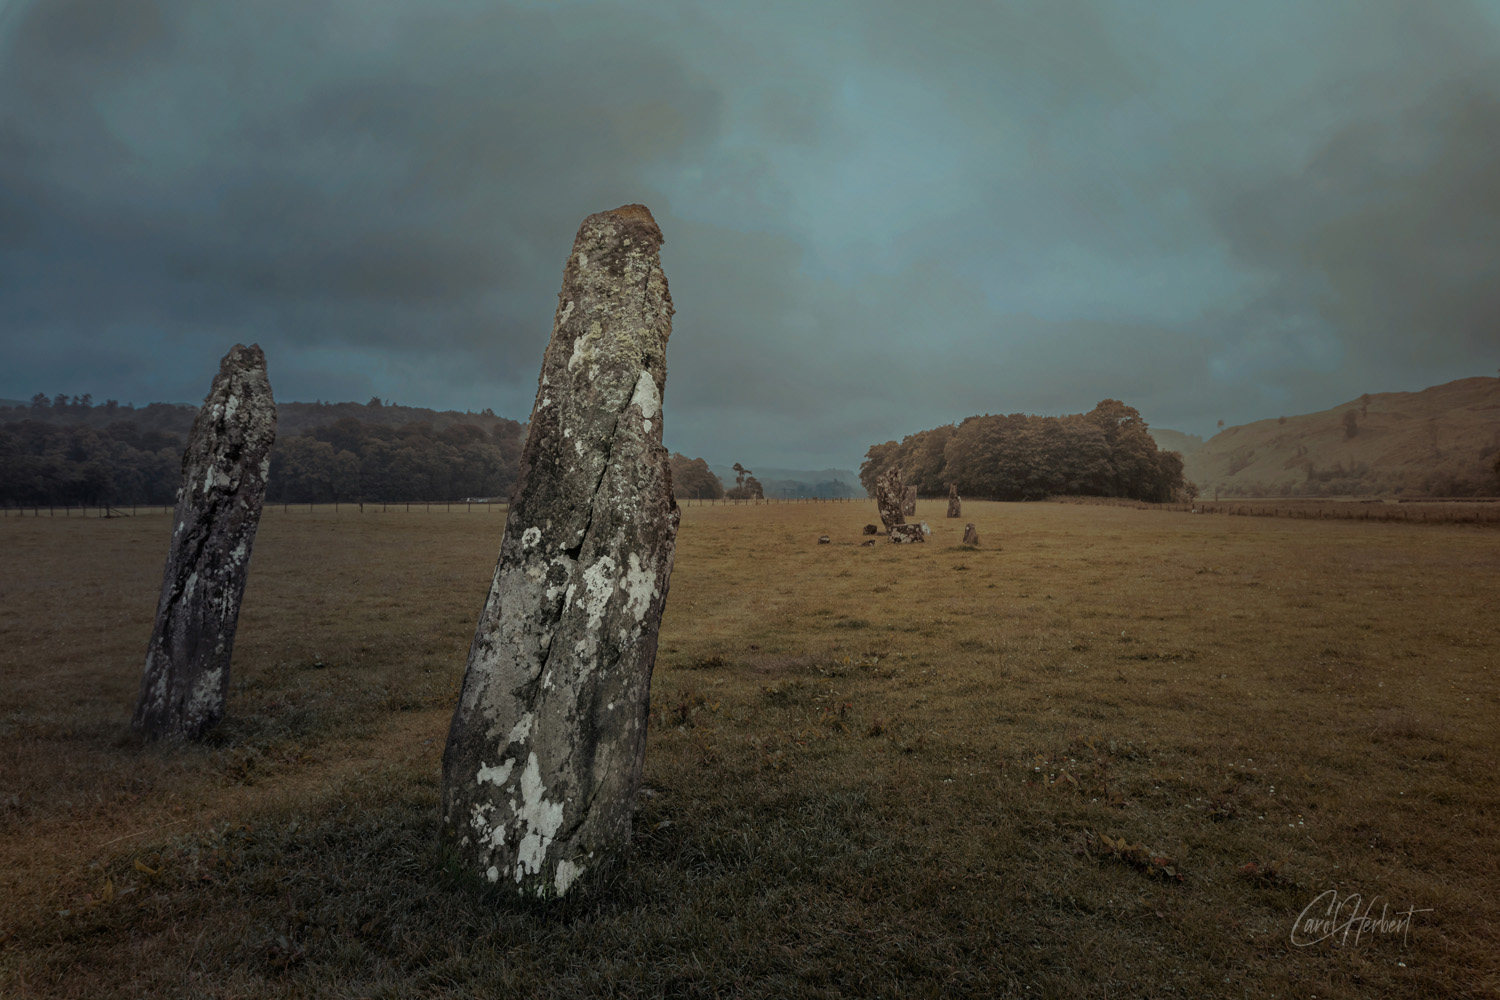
218,509
955,506
871,529
824,540
971,537
909,533
909,502
889,492
544,754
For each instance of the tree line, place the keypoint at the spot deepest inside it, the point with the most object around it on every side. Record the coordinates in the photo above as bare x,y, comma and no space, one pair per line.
66,451
1105,452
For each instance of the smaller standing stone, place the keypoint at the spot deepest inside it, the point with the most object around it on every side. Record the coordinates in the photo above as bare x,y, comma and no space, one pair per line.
955,507
870,542
824,540
908,533
872,529
971,537
889,491
224,472
909,502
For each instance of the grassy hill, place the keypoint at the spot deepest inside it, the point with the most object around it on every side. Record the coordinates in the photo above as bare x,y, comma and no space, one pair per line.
1441,441
1178,441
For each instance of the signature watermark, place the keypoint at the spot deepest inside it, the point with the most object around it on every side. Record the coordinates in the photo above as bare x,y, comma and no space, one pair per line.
1341,920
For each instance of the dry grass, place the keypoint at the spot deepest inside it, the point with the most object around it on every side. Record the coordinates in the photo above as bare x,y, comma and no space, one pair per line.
1111,752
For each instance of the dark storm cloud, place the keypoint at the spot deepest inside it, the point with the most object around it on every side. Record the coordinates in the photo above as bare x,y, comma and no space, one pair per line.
879,216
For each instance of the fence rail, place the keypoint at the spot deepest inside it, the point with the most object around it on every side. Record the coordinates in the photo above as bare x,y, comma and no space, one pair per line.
1478,511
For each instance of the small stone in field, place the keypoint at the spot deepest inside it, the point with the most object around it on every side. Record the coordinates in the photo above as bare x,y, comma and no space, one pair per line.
908,533
824,540
971,537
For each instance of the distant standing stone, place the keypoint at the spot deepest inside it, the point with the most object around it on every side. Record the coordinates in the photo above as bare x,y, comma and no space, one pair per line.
870,542
544,754
909,533
971,537
909,502
824,540
224,472
872,529
955,506
889,492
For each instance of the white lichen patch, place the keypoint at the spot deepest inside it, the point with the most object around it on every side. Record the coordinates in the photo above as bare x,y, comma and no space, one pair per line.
493,874
567,874
639,584
530,537
583,260
540,819
231,406
599,585
521,729
499,774
646,396
205,693
562,317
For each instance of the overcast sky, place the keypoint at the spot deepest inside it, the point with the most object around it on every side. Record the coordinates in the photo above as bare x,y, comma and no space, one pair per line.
880,216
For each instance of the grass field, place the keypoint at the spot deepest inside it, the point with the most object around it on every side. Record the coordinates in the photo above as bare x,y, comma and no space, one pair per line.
1111,752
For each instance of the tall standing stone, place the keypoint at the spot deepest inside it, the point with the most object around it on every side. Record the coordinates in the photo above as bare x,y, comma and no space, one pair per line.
955,506
544,754
890,491
218,509
909,502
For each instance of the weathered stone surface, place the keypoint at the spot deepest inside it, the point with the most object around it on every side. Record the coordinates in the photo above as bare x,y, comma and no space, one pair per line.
824,540
872,529
909,502
224,472
909,532
544,754
889,492
955,506
971,537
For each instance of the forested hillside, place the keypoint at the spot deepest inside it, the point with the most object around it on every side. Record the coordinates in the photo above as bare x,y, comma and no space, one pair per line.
1105,452
66,450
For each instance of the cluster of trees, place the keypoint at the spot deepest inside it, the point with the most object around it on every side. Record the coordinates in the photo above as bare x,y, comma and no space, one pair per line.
693,480
122,462
1105,452
352,460
746,486
68,451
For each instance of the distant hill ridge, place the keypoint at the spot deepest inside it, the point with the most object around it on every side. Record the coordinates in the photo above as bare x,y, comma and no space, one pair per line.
1441,441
